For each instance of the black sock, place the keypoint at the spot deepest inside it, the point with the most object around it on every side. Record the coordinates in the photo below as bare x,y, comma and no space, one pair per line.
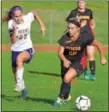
92,67
64,90
67,94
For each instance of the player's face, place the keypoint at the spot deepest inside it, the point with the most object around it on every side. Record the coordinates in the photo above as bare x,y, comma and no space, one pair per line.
73,29
81,4
17,16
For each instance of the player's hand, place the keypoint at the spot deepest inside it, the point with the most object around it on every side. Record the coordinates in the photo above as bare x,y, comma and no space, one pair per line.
103,61
43,29
67,63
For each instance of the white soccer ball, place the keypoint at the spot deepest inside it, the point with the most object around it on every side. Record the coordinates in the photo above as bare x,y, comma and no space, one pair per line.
83,103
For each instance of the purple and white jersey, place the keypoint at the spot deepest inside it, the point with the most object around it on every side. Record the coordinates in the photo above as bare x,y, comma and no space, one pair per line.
23,41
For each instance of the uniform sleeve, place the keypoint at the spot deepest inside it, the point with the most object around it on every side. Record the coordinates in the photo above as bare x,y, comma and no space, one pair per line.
91,14
30,17
10,28
70,16
62,40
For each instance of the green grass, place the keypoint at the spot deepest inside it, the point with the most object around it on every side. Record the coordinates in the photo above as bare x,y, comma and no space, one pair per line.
43,85
60,11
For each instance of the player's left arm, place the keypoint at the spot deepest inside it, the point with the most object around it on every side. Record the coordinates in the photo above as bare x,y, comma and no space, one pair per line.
42,26
100,49
92,27
92,24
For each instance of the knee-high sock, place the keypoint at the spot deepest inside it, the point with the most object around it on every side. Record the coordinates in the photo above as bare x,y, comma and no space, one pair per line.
19,79
67,94
64,90
92,66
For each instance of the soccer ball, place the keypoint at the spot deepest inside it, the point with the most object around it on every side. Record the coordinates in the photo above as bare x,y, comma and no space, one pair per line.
83,103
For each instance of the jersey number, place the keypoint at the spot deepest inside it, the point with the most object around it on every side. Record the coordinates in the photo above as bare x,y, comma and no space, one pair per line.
22,36
72,53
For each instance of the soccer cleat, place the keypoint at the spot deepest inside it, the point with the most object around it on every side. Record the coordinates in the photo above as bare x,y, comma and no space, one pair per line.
86,75
24,93
58,102
93,77
65,101
68,99
16,90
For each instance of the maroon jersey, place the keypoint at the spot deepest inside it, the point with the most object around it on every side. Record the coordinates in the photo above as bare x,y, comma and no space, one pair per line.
83,17
74,50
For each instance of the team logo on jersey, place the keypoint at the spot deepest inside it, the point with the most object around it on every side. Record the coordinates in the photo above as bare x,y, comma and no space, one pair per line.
73,50
82,19
22,34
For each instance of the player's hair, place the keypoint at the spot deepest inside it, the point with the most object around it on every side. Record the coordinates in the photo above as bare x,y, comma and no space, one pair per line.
75,21
11,12
81,0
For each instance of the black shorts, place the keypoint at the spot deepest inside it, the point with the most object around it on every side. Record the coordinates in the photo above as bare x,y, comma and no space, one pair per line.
79,66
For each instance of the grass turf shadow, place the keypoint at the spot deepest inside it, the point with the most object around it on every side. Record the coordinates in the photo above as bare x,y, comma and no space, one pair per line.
53,74
42,100
44,73
9,98
33,99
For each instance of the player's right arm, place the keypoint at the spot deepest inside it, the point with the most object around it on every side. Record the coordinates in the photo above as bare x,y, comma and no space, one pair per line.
66,62
61,50
12,32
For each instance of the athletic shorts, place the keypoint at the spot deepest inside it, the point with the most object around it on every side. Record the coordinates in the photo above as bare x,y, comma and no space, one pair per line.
16,53
79,66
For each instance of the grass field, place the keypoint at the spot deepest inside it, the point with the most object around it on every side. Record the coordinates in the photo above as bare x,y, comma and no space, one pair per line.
41,78
42,75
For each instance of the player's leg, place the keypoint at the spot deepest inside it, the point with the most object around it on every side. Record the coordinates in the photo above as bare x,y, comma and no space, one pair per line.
92,64
76,69
14,69
63,72
21,58
14,72
64,89
13,58
71,74
86,73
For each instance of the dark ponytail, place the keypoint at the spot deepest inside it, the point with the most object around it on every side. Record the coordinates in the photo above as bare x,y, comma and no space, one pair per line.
11,12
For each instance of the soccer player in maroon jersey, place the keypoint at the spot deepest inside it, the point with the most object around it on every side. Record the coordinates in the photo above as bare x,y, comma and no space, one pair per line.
73,61
85,16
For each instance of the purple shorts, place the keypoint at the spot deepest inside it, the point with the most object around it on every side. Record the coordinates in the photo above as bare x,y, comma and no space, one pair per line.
16,53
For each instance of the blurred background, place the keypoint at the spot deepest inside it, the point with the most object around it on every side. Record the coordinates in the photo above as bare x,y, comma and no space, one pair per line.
53,14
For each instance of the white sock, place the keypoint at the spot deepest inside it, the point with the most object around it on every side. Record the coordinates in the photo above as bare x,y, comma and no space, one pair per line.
19,79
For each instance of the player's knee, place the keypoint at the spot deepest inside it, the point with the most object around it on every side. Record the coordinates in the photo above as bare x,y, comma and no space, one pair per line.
90,52
90,57
19,62
90,49
67,79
